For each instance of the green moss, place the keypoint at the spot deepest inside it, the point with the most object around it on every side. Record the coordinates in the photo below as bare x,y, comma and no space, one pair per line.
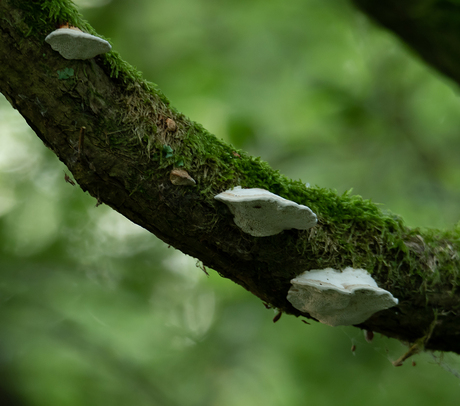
42,17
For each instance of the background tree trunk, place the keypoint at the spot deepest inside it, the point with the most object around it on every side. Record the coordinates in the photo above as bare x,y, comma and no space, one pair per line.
431,28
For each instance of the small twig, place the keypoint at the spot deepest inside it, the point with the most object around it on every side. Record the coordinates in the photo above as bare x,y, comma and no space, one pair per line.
415,349
68,179
203,268
419,345
277,317
200,265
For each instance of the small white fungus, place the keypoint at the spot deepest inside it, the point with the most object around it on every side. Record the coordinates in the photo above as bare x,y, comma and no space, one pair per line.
75,44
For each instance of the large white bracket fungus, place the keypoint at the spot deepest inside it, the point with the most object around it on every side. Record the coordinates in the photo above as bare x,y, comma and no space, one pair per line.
339,298
261,213
72,43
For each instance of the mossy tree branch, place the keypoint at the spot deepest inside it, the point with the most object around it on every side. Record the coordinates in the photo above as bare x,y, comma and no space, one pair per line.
129,151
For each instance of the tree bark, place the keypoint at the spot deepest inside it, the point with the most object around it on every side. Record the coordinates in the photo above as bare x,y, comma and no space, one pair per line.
111,129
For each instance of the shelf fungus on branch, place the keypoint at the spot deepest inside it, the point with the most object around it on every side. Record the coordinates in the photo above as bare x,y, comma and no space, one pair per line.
261,213
339,298
72,43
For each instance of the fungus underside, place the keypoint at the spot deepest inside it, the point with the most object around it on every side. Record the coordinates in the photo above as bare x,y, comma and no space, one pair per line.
352,231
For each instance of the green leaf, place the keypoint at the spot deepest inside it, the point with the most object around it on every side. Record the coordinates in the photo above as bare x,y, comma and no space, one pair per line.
168,151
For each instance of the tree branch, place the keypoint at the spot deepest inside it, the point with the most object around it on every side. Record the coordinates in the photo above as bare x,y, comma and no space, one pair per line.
130,147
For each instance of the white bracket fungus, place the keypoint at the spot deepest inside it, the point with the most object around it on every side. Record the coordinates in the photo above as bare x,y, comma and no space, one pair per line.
72,43
261,213
339,298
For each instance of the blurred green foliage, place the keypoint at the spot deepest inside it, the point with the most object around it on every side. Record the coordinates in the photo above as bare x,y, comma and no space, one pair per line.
95,310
